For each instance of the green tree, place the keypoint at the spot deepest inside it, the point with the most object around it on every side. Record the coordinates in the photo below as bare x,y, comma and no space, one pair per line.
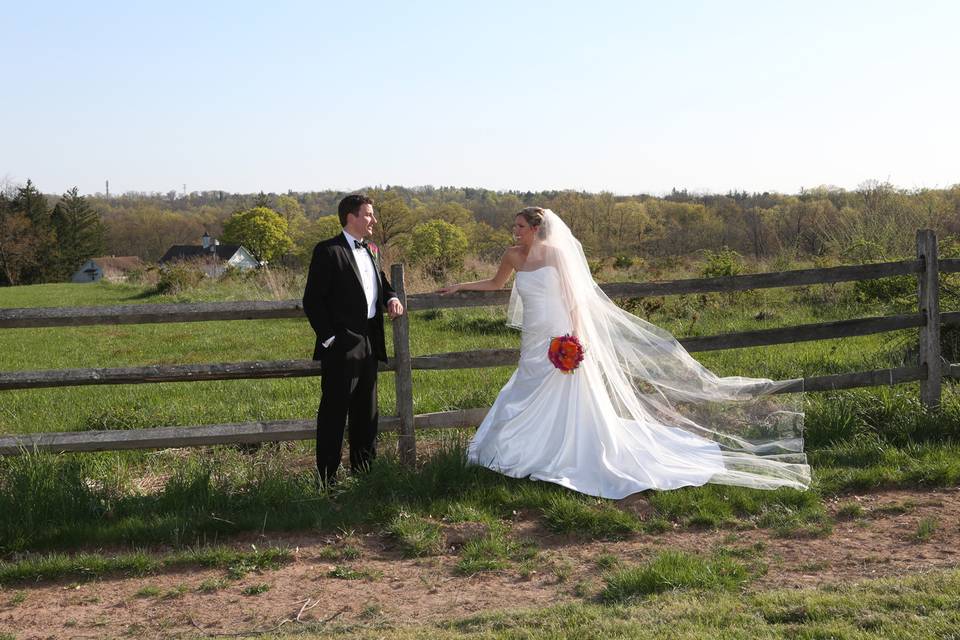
292,212
261,200
438,246
19,249
317,231
80,232
261,230
394,218
29,202
488,243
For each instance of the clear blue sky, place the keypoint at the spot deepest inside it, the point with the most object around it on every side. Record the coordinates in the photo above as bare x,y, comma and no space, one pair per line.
623,96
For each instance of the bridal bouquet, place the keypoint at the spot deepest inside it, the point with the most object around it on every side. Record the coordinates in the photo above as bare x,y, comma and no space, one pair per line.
566,353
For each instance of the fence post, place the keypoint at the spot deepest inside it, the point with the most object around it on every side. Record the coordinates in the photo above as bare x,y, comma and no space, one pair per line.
929,300
403,374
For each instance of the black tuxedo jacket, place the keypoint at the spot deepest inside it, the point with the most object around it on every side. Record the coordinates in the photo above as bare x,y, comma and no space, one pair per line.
336,305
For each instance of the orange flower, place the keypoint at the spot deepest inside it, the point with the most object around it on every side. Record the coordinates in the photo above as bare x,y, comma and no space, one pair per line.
565,353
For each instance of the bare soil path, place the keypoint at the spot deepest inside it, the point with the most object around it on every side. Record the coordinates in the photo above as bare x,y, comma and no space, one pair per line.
882,540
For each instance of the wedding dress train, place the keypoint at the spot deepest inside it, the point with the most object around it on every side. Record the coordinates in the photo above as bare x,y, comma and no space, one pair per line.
638,413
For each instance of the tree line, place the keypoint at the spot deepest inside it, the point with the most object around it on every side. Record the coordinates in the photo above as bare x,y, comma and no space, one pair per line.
43,238
44,242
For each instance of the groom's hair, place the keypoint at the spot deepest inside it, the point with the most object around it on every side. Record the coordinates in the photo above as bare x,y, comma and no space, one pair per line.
351,204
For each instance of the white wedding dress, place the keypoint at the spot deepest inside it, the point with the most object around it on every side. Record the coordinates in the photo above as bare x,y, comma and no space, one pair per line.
597,433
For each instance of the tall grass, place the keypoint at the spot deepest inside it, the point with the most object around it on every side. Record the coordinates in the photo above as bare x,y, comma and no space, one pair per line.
856,439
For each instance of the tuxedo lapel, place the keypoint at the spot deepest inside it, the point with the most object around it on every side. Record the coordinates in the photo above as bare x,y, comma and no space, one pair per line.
348,250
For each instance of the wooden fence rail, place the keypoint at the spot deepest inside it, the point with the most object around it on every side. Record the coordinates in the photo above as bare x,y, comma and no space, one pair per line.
928,319
266,310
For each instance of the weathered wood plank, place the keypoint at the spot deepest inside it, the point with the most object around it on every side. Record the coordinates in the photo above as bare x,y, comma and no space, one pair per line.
875,378
403,380
439,361
468,359
802,333
794,278
425,301
262,310
928,282
246,432
148,313
949,265
252,370
161,373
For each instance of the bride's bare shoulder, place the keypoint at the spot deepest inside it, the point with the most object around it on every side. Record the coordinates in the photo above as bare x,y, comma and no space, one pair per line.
514,256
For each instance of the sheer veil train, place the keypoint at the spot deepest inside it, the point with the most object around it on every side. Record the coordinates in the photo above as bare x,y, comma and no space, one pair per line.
655,387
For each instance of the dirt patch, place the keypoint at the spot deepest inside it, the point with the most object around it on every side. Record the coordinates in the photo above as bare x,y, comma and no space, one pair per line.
875,534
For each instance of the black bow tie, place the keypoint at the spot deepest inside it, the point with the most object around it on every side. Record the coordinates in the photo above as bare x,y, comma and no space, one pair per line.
359,244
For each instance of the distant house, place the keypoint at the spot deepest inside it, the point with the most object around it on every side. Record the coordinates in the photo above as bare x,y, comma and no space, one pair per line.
109,268
212,256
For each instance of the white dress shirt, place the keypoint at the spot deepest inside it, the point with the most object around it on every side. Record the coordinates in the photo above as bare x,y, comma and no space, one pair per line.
368,273
369,278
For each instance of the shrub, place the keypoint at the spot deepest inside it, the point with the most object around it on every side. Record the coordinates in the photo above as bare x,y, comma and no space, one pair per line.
898,289
622,262
178,277
725,262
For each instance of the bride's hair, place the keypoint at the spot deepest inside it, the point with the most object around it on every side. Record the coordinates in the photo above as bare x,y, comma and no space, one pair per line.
534,217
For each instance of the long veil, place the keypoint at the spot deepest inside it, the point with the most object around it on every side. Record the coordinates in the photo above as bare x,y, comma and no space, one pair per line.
651,379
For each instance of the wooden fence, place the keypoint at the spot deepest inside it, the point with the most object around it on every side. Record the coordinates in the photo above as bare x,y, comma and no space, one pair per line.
929,370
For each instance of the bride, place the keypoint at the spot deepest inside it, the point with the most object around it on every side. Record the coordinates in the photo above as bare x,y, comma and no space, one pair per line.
639,412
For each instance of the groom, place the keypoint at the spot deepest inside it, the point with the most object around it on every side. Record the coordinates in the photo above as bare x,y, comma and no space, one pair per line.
345,297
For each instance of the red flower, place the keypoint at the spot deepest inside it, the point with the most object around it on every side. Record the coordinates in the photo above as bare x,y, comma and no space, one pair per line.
565,353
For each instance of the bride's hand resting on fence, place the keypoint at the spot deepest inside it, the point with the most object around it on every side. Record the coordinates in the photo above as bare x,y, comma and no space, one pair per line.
448,289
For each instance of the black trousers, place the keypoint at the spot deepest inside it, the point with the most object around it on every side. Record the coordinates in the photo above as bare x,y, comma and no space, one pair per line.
348,387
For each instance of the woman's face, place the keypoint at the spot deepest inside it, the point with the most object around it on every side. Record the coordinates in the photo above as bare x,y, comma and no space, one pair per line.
523,232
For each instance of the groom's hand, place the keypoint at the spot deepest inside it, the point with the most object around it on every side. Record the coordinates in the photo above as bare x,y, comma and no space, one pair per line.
394,308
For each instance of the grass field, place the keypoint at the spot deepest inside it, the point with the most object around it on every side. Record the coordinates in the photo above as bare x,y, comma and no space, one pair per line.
189,502
138,406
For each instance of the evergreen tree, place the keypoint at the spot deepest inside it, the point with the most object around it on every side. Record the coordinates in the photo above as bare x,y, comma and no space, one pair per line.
80,233
261,200
32,204
18,246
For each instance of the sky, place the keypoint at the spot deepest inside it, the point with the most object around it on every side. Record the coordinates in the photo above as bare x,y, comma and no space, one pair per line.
628,97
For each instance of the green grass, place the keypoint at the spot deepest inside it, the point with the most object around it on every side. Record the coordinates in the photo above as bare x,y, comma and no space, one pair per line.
66,501
343,572
138,406
672,570
921,606
925,529
212,585
416,535
494,551
566,513
148,591
256,589
344,552
175,593
856,440
92,566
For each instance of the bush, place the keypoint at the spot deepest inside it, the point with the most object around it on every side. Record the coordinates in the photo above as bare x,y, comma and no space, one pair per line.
622,262
901,289
725,262
179,277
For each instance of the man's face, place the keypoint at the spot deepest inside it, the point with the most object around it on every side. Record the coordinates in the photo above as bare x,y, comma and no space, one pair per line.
361,225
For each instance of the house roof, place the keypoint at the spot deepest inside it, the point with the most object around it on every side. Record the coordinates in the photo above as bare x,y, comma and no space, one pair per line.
119,263
190,251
